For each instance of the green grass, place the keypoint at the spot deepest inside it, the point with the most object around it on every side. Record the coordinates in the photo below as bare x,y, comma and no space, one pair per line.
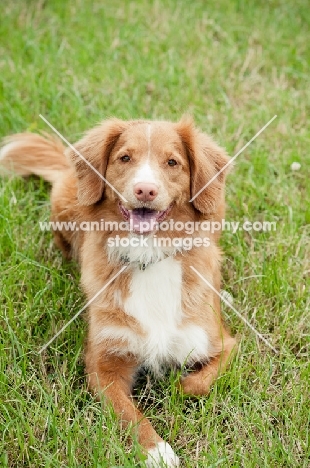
232,65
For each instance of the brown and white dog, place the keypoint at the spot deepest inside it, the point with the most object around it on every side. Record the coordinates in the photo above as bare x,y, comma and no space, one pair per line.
157,312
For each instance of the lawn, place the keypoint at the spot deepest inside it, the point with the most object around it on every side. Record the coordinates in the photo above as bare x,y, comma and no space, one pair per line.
233,65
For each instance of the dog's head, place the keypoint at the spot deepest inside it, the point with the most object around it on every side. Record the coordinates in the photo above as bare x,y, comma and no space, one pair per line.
147,168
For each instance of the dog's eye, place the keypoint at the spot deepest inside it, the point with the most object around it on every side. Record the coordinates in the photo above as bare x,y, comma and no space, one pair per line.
172,162
125,158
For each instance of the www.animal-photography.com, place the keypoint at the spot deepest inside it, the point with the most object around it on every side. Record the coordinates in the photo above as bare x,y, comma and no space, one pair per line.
154,225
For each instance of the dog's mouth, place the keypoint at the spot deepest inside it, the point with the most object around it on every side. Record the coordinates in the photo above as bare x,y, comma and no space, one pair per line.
144,220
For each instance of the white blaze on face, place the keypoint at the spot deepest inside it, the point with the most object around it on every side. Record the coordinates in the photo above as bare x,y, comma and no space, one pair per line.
145,172
148,141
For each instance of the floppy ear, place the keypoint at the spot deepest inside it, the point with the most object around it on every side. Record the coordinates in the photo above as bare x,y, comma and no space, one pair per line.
206,160
95,147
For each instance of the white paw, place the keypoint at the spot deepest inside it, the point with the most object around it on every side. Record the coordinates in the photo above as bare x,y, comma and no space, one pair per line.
162,456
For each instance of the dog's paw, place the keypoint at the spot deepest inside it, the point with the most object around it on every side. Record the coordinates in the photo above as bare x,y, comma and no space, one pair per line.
195,384
162,455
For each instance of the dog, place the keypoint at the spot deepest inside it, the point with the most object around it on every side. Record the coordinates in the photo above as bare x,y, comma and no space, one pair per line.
157,311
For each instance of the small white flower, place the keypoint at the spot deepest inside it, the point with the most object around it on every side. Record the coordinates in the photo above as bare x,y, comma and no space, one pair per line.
295,166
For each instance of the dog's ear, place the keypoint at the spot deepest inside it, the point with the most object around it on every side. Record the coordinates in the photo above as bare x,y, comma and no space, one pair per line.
206,160
95,147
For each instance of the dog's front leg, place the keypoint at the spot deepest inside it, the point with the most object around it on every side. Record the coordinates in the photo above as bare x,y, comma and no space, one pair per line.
112,376
199,382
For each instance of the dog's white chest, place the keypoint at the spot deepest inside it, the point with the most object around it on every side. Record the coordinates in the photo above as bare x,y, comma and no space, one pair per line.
156,303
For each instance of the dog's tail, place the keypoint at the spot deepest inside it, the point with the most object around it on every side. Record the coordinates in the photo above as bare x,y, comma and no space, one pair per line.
28,153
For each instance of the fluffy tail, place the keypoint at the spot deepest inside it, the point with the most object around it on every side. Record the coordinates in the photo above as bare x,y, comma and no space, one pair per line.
28,153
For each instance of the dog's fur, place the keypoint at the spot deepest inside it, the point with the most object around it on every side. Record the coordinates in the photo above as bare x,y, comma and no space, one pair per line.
157,316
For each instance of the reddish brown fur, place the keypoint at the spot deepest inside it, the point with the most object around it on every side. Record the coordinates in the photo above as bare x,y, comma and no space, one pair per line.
79,194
